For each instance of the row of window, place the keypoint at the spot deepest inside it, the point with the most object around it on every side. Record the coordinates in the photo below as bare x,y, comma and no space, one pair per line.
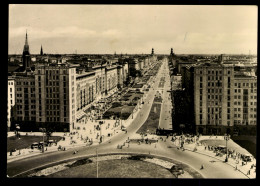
26,118
53,113
212,78
54,119
213,91
239,122
54,107
245,84
10,83
25,83
215,72
239,90
54,101
238,115
245,103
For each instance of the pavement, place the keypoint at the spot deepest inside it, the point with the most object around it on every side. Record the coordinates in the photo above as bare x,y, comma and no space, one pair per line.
232,162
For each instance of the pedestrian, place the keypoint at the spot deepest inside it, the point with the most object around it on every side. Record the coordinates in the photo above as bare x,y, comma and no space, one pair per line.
202,167
236,167
248,173
205,147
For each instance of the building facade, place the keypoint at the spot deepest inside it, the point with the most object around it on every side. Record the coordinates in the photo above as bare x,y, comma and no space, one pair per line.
55,89
222,99
10,100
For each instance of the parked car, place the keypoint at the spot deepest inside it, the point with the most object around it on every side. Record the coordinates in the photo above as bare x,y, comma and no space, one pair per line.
247,158
34,145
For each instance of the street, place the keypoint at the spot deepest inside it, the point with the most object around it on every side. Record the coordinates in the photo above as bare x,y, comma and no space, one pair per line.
194,160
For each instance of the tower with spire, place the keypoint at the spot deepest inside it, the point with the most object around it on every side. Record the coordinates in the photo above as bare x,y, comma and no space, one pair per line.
171,52
41,51
26,55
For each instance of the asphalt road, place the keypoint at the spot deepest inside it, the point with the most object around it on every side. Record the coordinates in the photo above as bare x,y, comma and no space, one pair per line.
194,160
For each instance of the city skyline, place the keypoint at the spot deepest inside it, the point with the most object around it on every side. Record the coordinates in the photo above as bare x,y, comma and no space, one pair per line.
133,29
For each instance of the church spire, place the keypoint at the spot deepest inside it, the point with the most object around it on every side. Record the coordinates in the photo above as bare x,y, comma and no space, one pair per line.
26,39
26,55
41,51
26,45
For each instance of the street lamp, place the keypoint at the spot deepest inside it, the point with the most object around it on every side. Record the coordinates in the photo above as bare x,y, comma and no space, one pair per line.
17,130
43,130
226,137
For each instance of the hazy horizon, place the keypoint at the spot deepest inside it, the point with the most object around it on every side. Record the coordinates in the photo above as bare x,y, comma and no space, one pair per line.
133,29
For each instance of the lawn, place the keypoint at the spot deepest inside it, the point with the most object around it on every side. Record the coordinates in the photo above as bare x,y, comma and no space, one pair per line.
25,141
116,111
116,169
152,121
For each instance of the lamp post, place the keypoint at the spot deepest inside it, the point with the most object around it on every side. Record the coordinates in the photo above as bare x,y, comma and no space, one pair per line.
226,137
43,130
97,162
17,130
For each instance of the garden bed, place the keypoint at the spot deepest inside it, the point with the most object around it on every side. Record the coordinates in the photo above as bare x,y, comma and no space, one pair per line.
152,122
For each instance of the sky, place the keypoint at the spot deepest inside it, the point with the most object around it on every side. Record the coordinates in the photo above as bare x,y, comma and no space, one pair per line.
133,29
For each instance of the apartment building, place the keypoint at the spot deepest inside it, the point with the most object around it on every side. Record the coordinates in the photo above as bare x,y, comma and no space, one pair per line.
55,90
10,99
223,99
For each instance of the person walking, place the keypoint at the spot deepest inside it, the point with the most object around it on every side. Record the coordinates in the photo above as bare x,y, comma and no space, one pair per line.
202,167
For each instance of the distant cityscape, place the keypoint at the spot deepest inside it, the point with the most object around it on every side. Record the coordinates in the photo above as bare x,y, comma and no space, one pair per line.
218,92
78,103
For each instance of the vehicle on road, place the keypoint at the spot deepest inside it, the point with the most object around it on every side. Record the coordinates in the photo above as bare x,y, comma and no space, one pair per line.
34,145
247,158
222,149
123,128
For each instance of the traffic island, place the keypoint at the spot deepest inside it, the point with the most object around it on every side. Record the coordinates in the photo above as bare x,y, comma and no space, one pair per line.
117,166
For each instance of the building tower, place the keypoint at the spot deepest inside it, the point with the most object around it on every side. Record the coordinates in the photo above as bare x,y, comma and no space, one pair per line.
26,55
152,52
41,51
171,52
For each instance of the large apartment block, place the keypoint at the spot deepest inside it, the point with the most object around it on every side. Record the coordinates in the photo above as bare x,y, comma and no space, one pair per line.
55,90
25,100
216,98
10,99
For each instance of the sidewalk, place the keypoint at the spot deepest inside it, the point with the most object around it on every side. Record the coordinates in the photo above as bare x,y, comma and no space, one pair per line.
232,162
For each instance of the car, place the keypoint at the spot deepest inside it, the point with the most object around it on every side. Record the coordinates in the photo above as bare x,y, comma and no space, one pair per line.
34,145
50,142
247,158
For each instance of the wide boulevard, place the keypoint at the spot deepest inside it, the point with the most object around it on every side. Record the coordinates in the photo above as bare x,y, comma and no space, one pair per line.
217,169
